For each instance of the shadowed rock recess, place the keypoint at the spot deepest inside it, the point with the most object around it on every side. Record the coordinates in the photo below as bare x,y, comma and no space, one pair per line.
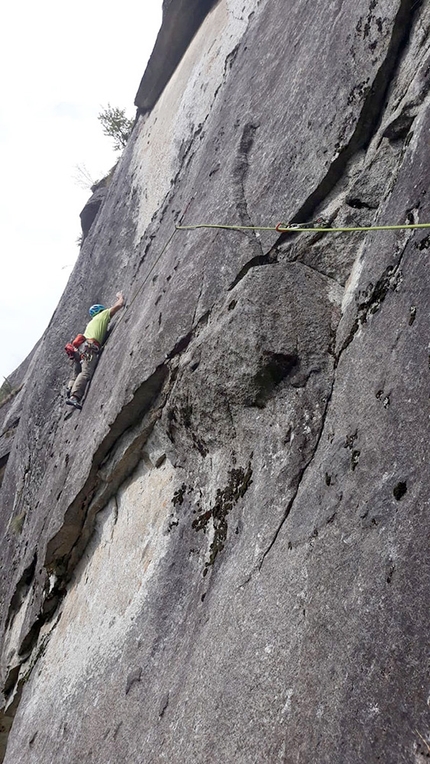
224,556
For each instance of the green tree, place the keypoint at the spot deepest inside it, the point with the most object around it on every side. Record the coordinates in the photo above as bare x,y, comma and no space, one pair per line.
116,125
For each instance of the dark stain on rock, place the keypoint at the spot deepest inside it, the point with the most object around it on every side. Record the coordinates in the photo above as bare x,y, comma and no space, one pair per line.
186,412
178,496
230,59
172,524
424,243
374,296
164,702
134,677
350,440
355,457
22,588
385,399
171,424
180,346
399,127
399,490
359,204
370,300
32,739
241,168
389,571
200,445
358,92
160,461
239,481
276,368
11,680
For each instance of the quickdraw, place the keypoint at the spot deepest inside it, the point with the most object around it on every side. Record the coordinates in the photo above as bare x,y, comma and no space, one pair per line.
318,223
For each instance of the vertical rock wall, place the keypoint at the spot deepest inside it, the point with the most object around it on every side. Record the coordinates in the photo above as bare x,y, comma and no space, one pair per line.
224,556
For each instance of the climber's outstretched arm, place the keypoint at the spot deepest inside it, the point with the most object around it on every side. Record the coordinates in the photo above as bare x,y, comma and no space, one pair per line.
117,305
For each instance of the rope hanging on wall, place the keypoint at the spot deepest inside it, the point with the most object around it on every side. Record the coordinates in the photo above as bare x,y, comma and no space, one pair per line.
302,227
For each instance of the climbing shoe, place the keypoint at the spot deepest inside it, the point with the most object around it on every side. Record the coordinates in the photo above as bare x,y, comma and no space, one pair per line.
73,401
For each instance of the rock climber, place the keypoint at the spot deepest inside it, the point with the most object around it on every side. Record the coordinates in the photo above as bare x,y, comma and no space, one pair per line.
85,348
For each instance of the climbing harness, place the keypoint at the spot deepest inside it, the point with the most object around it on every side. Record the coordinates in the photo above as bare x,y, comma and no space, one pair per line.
82,349
89,349
313,227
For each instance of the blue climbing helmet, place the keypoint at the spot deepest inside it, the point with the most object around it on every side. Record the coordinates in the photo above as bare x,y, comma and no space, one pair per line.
95,309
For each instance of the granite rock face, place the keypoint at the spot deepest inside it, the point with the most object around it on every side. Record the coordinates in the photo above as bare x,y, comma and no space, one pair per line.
91,209
224,556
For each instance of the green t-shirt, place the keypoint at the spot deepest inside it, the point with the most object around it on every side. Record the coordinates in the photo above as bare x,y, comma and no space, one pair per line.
97,327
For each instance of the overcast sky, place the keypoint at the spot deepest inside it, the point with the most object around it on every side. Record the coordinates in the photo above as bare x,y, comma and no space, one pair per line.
60,65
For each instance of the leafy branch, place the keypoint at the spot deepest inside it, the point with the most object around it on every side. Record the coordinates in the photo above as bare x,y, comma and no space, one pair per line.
116,125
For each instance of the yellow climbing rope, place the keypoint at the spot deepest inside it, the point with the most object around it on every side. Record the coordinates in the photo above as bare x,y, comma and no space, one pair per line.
279,228
302,227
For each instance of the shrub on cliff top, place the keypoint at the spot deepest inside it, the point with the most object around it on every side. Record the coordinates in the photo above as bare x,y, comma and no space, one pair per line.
116,125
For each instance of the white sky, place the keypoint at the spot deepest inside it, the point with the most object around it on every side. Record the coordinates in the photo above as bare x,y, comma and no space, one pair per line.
60,64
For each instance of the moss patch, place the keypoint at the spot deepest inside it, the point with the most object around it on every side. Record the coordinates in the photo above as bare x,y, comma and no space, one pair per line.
238,483
17,523
7,393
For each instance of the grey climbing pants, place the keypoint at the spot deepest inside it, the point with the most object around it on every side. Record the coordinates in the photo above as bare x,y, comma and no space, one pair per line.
83,370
